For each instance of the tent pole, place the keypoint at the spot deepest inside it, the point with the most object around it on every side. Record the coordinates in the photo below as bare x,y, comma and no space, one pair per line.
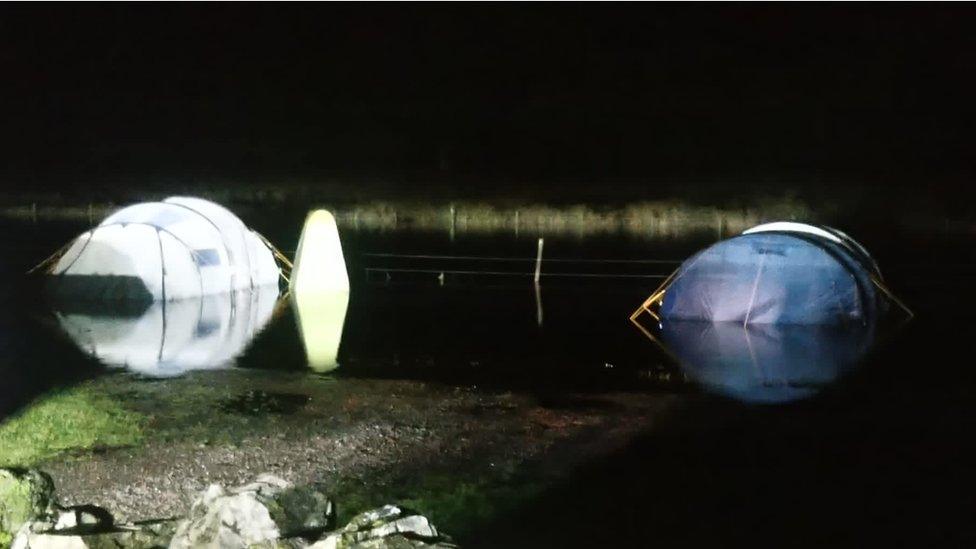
891,296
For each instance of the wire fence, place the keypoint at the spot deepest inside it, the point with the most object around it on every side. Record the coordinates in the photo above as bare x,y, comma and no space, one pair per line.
546,260
425,269
509,273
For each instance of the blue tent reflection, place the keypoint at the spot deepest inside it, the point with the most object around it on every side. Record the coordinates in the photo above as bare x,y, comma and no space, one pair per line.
766,363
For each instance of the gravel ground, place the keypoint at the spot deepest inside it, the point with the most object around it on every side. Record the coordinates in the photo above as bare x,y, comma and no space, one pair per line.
228,427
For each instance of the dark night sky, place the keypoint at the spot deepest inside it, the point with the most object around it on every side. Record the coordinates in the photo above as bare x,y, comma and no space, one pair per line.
584,92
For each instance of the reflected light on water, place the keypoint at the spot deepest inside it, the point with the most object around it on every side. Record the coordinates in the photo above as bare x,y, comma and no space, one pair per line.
766,363
171,337
320,317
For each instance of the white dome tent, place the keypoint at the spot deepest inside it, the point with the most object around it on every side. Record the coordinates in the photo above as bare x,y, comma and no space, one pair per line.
161,251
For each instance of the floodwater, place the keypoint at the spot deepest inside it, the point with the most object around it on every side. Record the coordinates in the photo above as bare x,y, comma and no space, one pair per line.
798,439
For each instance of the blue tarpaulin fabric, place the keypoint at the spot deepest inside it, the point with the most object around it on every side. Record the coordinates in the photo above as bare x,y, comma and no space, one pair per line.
773,278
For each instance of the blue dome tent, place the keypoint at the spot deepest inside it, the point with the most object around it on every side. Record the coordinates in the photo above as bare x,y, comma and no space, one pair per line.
771,315
778,273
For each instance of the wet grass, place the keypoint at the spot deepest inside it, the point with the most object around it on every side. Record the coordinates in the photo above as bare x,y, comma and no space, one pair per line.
457,502
75,420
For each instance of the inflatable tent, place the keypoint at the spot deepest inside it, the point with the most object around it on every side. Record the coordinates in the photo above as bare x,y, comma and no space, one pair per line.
778,273
160,251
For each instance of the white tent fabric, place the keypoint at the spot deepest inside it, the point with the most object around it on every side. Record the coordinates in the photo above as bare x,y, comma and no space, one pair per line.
179,248
829,233
172,337
793,227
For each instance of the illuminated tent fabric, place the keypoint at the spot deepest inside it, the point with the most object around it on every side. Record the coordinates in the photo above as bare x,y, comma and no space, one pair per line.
169,338
776,275
178,248
853,247
766,363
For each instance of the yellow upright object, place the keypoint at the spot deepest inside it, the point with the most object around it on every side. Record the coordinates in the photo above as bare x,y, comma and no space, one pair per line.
319,263
320,290
320,317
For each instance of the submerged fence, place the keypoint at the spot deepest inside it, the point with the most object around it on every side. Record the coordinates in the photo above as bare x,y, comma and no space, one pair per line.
441,266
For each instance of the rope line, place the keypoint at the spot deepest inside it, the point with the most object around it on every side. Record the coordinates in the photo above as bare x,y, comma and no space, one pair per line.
509,273
50,263
546,260
281,257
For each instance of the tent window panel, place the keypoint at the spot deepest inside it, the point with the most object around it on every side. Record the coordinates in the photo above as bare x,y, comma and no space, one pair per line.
167,217
207,257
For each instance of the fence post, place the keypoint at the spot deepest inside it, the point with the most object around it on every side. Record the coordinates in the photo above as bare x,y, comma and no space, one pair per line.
453,221
538,305
538,262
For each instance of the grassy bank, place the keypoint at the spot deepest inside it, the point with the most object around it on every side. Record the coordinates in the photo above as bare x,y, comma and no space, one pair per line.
78,419
648,219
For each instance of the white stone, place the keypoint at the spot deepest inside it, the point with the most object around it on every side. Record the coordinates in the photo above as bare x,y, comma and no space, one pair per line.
219,520
49,541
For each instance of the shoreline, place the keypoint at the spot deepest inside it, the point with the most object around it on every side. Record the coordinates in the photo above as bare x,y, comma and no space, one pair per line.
458,455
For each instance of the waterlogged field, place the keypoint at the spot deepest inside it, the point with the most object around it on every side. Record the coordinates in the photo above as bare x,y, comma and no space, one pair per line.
510,415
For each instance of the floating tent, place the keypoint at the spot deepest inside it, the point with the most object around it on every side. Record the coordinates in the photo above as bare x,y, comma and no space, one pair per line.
165,287
168,338
778,273
160,251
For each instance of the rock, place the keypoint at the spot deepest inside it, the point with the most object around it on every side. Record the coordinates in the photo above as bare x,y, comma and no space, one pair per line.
142,535
388,527
222,520
302,511
25,496
254,515
89,517
89,526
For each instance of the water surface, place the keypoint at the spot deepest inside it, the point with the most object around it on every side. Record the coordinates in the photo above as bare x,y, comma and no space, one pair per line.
827,434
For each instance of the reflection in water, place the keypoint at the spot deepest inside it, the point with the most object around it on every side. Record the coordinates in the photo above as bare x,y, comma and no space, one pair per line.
320,316
172,337
765,363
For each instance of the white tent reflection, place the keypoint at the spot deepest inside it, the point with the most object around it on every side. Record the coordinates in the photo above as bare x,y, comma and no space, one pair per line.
765,363
320,316
171,337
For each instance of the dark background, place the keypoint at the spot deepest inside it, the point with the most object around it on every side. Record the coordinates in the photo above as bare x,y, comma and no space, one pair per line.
594,100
